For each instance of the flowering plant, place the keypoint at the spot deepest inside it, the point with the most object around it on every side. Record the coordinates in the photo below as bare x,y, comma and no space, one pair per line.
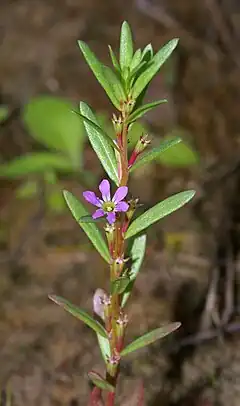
125,86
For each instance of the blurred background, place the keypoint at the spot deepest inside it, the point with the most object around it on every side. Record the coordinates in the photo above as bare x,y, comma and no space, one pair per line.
191,270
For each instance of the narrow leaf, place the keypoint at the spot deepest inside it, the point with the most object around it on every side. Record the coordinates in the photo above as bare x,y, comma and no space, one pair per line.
100,382
37,162
99,143
100,73
137,253
126,46
79,314
144,109
154,65
147,53
89,219
135,60
137,71
104,347
93,233
119,285
114,59
150,337
115,84
98,128
159,211
154,153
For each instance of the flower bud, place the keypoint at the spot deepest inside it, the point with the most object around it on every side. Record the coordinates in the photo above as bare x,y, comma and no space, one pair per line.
141,145
133,204
117,124
128,106
99,302
121,324
112,364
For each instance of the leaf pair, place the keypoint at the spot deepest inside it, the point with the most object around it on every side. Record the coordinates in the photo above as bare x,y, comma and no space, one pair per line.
140,342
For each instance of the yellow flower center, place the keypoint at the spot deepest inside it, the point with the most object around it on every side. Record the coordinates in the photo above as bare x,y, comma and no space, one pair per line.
108,206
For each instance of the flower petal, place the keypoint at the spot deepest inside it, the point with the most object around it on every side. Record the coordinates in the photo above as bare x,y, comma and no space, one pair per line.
111,217
104,188
120,193
122,206
90,197
98,213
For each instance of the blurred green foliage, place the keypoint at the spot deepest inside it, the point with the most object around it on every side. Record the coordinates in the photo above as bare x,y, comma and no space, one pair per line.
4,113
51,122
181,155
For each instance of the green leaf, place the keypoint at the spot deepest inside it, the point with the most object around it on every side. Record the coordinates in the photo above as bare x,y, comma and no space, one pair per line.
136,72
154,65
115,84
126,46
159,211
144,109
147,53
51,122
37,162
4,112
154,153
150,338
180,155
104,347
97,127
107,79
102,148
89,219
100,382
79,314
93,233
114,59
119,285
137,253
135,60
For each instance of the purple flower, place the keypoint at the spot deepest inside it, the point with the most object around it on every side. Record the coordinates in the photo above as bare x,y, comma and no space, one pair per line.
107,206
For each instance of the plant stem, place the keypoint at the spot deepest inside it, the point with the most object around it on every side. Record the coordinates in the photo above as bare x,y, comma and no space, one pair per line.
110,399
116,341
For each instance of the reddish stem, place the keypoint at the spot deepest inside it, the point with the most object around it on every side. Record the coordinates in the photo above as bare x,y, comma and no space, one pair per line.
110,399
